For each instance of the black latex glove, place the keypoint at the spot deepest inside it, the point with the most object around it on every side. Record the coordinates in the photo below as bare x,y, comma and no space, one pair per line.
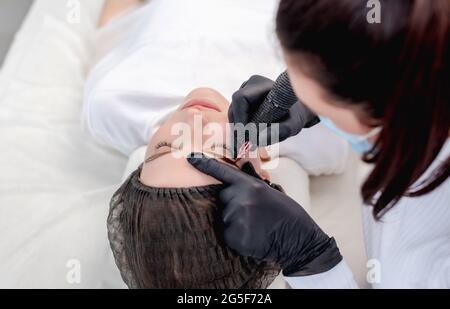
252,94
266,224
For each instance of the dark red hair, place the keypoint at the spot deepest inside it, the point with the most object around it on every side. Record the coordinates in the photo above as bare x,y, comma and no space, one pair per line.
398,70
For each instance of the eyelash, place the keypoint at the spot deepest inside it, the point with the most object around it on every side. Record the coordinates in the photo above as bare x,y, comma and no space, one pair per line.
163,144
167,144
225,147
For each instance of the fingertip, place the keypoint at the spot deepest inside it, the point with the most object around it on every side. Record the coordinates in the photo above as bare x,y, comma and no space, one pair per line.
249,169
195,158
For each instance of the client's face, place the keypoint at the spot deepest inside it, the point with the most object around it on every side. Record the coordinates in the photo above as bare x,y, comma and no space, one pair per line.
199,125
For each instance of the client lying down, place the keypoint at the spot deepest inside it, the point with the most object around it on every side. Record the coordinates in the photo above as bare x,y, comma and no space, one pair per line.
164,227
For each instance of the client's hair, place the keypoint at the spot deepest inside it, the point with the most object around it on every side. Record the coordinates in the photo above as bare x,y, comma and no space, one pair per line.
171,238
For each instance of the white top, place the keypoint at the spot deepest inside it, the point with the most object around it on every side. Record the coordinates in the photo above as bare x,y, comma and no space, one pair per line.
169,48
408,248
149,60
151,63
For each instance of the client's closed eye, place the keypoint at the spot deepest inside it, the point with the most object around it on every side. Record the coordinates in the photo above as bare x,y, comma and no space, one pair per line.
167,144
170,146
221,146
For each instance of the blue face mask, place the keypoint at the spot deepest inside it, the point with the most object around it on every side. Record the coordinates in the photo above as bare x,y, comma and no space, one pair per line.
359,143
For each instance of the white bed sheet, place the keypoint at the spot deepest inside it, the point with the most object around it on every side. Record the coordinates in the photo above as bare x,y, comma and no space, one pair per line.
55,182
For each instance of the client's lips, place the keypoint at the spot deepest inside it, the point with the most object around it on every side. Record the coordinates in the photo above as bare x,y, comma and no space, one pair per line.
205,103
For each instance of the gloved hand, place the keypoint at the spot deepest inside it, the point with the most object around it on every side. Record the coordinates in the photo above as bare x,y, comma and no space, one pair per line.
265,223
252,94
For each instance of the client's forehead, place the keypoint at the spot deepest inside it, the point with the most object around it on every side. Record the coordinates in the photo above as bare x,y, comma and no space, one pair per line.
171,172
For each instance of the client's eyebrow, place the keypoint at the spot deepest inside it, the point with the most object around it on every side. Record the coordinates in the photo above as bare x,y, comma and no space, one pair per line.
156,156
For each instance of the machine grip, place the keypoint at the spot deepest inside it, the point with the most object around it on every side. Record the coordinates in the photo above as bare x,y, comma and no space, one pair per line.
277,103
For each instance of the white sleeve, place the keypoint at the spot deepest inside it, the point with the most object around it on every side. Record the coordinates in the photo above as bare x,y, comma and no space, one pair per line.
339,277
439,275
126,120
318,150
